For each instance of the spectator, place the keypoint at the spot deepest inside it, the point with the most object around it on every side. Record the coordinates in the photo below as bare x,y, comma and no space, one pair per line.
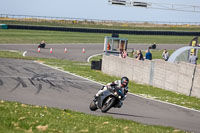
193,59
165,55
108,46
124,54
153,46
148,55
42,44
139,55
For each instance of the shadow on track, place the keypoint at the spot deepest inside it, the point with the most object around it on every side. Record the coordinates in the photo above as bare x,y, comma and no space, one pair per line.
129,115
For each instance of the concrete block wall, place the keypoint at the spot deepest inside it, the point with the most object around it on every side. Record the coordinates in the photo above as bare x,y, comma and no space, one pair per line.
196,83
186,72
173,77
138,71
159,73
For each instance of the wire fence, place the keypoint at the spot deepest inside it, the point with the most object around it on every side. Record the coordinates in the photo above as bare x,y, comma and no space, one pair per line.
86,20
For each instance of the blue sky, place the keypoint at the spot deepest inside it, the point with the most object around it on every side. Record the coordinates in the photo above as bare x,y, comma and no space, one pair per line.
98,9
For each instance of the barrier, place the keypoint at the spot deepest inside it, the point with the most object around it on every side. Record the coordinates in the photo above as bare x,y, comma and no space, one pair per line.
3,26
110,31
182,78
96,65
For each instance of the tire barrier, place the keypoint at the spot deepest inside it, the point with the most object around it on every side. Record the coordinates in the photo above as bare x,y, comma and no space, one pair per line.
110,31
96,65
3,26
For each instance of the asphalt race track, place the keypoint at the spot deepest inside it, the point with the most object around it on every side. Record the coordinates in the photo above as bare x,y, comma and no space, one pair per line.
32,83
74,51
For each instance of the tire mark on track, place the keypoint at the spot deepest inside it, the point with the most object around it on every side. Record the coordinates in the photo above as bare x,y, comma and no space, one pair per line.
29,70
39,89
14,69
37,86
1,82
31,82
3,72
20,81
42,78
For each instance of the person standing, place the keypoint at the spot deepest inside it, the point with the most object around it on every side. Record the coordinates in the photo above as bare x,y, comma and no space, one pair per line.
148,55
165,55
139,55
124,54
193,59
42,44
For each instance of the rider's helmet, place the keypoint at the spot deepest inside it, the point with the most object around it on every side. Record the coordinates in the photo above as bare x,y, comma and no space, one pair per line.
124,81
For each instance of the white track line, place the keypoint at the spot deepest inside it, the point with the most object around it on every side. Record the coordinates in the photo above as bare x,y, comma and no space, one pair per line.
129,93
88,60
24,54
165,102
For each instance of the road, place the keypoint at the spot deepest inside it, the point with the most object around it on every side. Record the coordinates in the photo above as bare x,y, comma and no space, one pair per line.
74,51
32,83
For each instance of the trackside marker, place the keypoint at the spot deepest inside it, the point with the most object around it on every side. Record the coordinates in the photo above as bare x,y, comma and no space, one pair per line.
51,50
24,54
83,50
65,50
38,50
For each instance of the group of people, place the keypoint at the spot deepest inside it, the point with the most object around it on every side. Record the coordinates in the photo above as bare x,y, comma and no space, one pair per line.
148,55
139,55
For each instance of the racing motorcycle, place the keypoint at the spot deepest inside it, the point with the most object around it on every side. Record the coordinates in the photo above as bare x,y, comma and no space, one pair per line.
107,99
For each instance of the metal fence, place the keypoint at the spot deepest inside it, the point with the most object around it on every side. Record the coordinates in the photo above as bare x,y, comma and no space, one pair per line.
39,18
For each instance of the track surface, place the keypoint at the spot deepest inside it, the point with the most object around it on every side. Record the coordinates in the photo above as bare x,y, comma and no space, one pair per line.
32,83
74,51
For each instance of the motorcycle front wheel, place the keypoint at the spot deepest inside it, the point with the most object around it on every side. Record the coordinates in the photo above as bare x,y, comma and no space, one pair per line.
110,101
93,106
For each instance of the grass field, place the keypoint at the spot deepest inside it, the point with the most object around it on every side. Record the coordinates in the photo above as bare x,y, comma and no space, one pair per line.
22,118
58,37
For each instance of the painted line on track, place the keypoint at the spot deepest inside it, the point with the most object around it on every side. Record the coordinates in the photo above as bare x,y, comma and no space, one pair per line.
88,60
128,93
24,54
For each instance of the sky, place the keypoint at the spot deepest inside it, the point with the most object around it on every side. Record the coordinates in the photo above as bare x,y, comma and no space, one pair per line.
99,9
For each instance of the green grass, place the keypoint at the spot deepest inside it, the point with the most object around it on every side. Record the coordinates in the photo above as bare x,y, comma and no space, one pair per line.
22,118
35,36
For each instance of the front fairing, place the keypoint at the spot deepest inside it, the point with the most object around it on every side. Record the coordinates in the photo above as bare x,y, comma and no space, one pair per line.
103,96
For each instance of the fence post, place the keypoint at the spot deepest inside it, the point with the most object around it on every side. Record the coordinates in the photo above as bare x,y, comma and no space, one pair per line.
193,80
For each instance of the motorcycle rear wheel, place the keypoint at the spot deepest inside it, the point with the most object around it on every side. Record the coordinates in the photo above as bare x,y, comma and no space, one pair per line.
106,106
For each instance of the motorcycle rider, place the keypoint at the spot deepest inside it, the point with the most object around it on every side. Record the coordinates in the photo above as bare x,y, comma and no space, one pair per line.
123,84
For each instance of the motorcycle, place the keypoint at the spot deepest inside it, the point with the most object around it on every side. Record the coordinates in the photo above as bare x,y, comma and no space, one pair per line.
107,99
